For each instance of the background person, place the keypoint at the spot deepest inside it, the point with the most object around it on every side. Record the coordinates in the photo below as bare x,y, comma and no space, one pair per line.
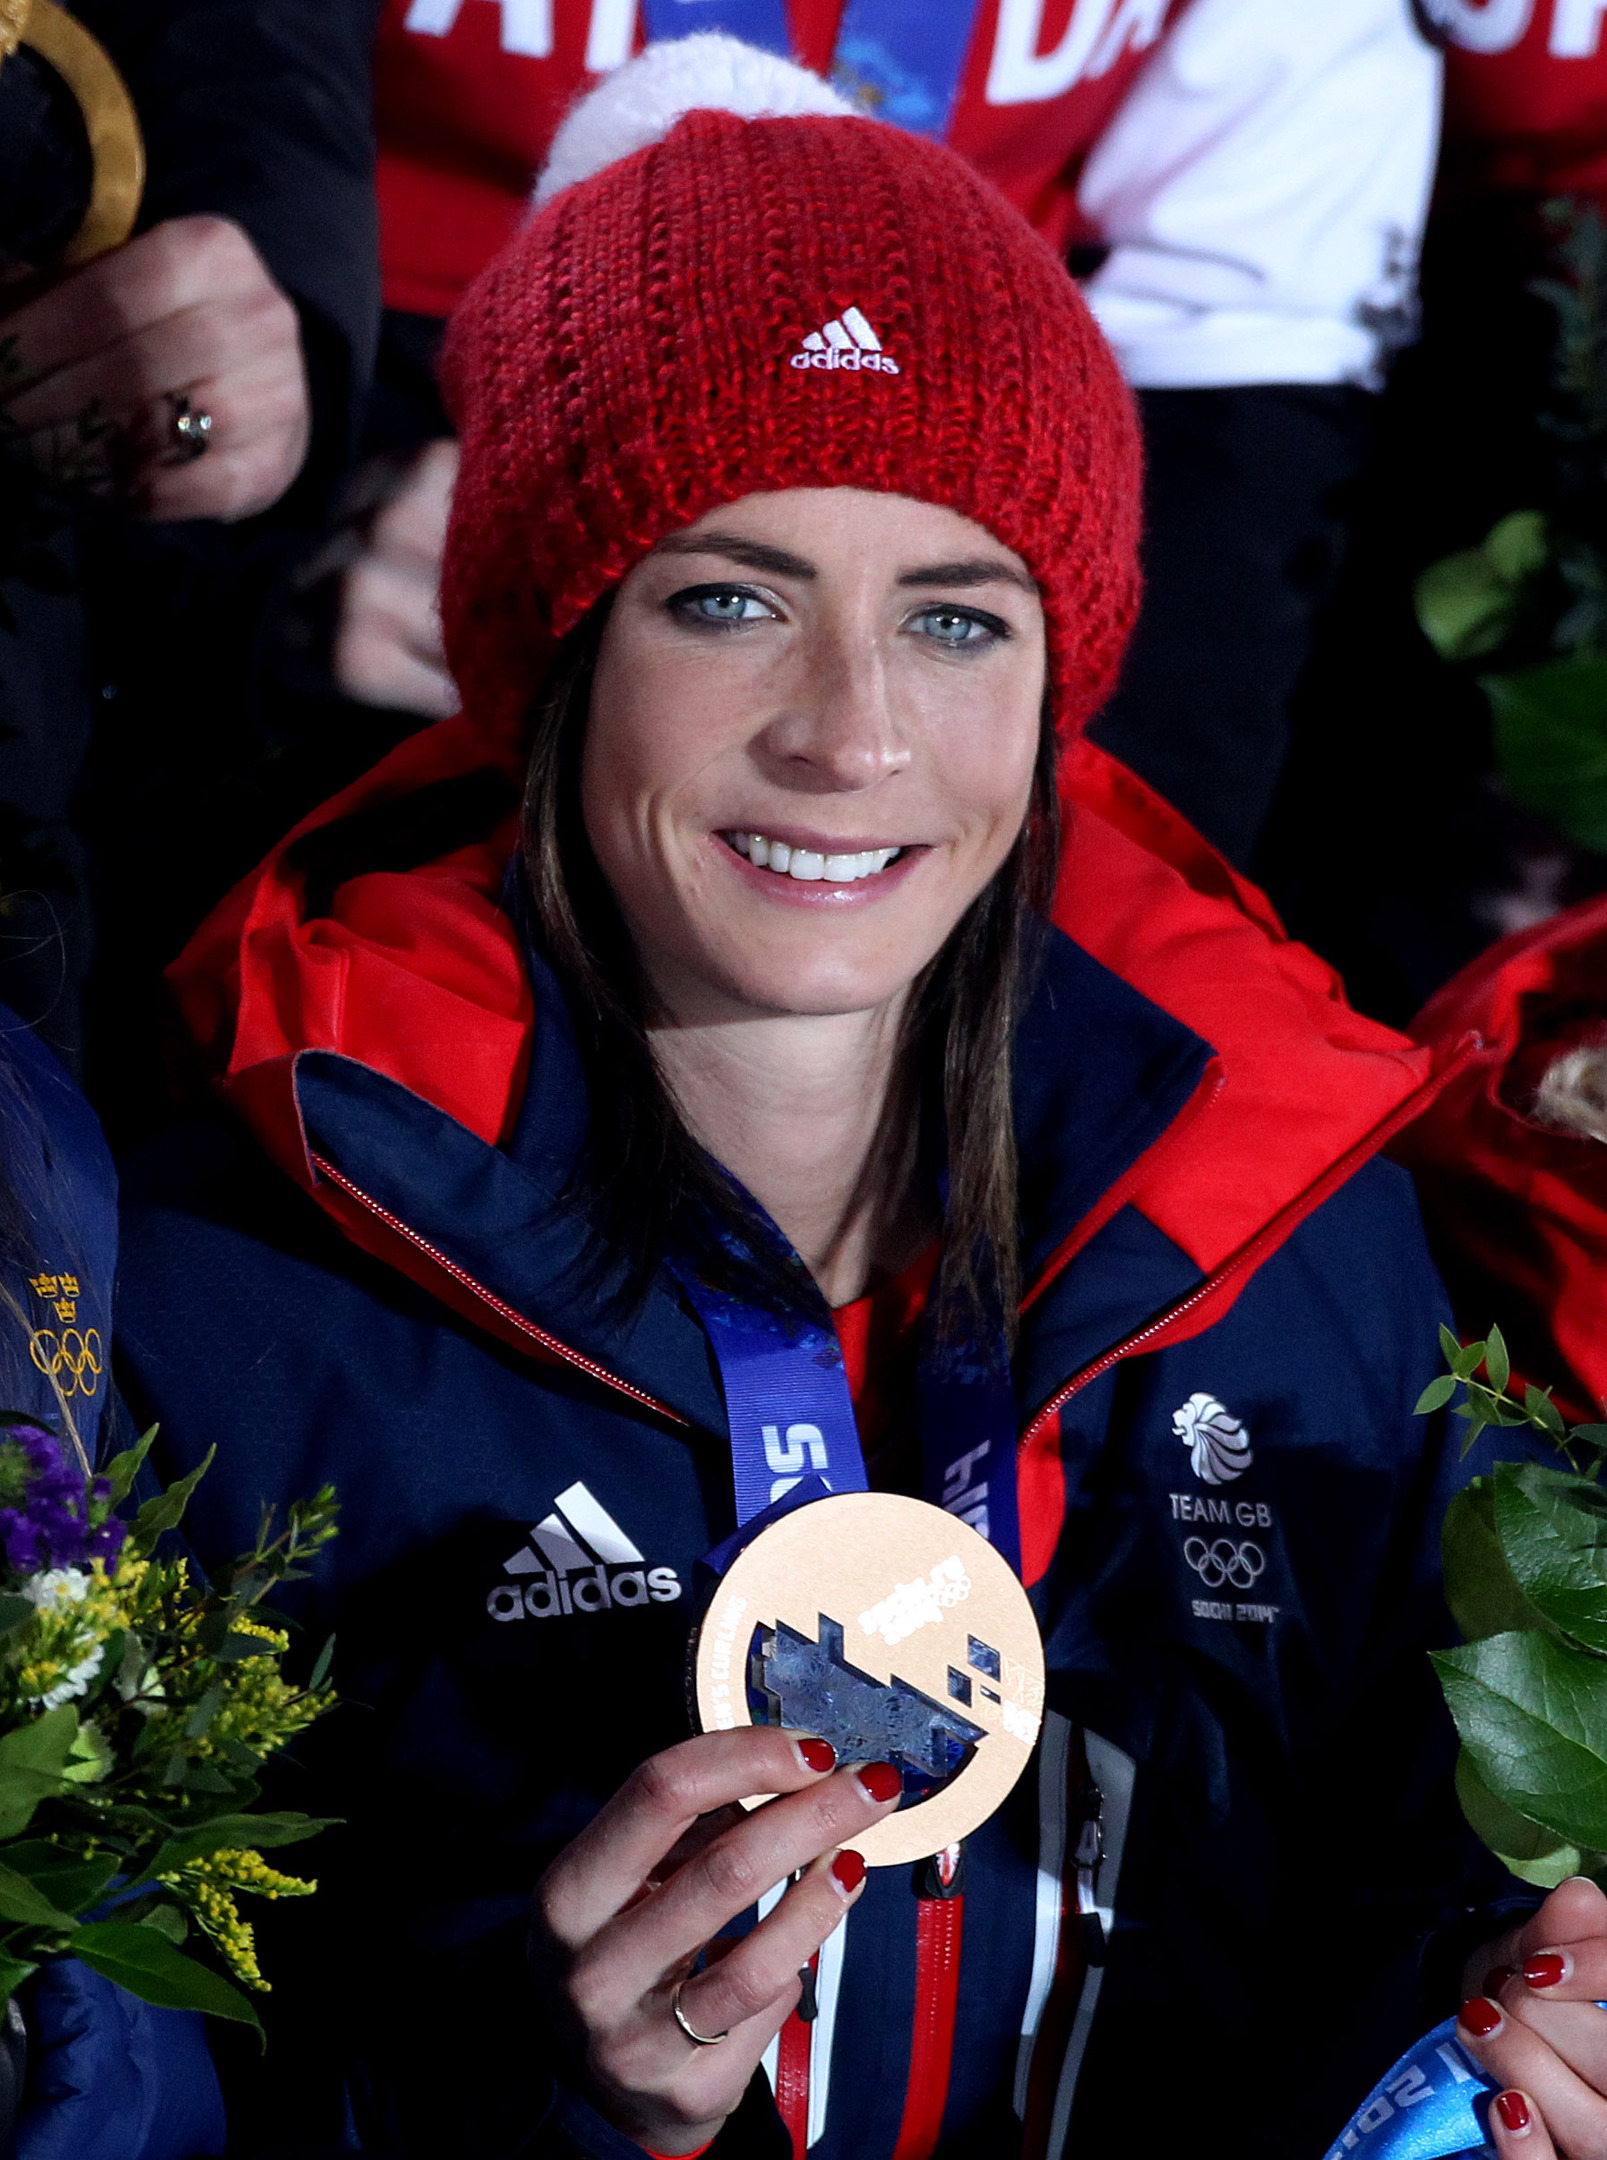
778,655
134,560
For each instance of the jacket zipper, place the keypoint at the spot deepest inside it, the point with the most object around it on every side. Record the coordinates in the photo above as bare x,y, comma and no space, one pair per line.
1265,1240
939,1928
505,1312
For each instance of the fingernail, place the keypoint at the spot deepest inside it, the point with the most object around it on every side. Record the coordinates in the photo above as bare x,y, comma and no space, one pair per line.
1547,1969
818,1755
1480,2017
848,1871
1513,2110
881,1782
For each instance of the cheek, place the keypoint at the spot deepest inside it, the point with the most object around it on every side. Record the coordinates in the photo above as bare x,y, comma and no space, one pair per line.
985,766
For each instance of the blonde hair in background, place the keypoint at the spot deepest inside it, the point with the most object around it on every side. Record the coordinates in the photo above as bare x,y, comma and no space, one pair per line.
1572,1096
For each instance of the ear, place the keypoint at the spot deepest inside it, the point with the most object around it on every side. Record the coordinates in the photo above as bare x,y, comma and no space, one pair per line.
641,102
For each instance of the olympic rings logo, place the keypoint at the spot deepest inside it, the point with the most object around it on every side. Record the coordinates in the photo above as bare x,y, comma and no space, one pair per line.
1225,1562
71,1359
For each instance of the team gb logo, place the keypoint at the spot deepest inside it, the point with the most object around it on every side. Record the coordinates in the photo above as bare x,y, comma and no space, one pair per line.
1215,1441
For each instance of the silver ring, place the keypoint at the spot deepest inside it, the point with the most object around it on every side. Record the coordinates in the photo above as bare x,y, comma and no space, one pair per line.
190,428
697,2039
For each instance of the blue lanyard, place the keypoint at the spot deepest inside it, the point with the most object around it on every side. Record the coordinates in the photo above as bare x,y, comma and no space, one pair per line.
791,1416
1425,2108
900,59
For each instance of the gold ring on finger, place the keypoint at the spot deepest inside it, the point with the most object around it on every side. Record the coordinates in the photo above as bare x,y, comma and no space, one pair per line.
697,2039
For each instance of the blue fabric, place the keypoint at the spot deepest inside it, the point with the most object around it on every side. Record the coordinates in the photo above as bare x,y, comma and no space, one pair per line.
61,1284
1425,2107
112,2078
1270,1724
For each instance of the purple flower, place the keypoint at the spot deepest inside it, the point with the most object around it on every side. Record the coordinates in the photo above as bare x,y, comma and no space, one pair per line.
44,1522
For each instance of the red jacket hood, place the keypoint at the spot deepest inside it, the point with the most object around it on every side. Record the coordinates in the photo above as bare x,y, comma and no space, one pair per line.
419,975
1518,1212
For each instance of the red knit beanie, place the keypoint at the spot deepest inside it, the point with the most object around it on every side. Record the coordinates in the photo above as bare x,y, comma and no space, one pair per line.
753,304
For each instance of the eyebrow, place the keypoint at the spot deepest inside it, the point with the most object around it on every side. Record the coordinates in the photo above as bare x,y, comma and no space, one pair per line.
755,555
981,570
752,554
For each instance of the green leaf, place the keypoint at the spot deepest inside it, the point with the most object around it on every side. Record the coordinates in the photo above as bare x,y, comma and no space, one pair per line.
320,1671
1497,1362
1590,1436
122,1470
1553,1531
259,1833
1480,1588
1551,743
166,1511
13,1972
1466,1359
1436,1395
167,1920
72,1882
1532,1713
1467,603
149,1966
1450,1345
22,1904
1543,1412
32,1759
1532,1852
15,1612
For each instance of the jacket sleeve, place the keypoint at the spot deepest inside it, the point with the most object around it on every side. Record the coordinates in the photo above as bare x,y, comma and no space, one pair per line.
262,111
1262,193
112,2078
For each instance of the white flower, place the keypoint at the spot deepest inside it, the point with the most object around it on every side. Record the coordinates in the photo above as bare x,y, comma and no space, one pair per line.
54,1588
76,1681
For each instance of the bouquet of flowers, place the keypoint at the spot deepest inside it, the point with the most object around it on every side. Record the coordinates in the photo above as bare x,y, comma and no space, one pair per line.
1525,1554
136,1707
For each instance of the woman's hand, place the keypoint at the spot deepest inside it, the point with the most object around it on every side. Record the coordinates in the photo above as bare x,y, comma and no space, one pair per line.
1532,2022
623,1912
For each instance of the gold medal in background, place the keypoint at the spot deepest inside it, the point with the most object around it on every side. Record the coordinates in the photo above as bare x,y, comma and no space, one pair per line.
891,1629
116,147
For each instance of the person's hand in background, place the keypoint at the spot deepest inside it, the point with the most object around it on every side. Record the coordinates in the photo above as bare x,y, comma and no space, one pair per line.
168,373
388,639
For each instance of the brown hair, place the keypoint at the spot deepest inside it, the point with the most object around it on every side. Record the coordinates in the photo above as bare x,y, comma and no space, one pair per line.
648,1184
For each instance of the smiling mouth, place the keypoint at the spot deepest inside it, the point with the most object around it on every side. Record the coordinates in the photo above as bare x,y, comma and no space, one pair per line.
805,865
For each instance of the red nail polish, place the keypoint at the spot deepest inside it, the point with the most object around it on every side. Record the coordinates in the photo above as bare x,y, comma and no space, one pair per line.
1496,1979
818,1754
881,1782
1479,2016
849,1870
1513,2110
1547,1968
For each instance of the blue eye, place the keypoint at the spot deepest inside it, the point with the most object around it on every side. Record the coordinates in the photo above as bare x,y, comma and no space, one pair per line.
719,607
958,627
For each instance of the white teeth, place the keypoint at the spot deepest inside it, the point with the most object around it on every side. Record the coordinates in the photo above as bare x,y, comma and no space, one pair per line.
806,865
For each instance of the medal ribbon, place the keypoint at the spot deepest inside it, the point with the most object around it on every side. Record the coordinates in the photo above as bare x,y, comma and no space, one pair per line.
791,1416
900,59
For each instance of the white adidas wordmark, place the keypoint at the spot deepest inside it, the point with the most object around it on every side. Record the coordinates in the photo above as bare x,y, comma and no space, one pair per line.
591,1566
849,342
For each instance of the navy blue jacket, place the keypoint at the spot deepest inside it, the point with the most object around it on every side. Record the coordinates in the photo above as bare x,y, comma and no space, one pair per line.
1237,1681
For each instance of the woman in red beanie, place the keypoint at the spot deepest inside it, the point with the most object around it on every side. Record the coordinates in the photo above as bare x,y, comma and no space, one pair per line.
736,1118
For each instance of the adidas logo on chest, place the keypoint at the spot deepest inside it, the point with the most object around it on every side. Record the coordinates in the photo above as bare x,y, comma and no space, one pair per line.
578,1560
846,343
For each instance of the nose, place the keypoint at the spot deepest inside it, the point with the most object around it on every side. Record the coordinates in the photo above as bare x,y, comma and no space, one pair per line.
837,731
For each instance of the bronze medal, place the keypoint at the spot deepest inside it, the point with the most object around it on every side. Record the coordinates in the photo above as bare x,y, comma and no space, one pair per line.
891,1629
